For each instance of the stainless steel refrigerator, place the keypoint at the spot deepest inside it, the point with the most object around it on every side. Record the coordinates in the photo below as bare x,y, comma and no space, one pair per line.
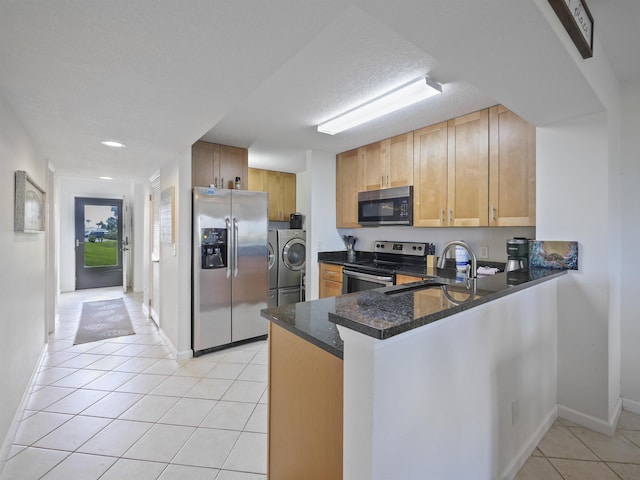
230,267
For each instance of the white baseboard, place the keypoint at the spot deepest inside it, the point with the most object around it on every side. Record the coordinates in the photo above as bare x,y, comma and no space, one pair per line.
180,356
15,422
631,405
145,310
592,423
514,466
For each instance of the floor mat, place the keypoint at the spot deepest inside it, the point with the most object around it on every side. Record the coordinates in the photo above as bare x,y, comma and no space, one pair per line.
103,319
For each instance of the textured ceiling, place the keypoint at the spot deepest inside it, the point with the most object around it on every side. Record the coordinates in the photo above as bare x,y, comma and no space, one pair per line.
159,74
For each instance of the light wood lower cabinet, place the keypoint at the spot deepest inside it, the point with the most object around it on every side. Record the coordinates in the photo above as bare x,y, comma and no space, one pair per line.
330,280
402,279
305,409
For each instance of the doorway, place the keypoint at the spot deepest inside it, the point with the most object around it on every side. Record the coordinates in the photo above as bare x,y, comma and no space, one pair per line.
98,231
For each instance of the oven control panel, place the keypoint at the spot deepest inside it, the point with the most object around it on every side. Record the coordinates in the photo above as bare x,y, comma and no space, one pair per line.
418,249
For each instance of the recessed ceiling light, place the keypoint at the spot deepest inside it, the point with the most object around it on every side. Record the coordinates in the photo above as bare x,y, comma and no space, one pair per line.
394,100
111,143
105,178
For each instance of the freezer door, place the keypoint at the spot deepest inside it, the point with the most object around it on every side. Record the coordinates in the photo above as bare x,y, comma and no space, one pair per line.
211,287
250,264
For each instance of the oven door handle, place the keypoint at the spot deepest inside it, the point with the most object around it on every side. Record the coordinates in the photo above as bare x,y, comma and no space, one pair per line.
367,276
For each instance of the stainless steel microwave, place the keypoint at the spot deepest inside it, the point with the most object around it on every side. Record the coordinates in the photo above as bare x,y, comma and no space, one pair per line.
391,206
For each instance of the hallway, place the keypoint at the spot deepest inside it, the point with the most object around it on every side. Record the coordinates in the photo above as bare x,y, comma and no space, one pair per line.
124,408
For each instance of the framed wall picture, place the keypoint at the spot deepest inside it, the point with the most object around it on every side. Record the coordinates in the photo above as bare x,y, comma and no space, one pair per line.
578,22
30,204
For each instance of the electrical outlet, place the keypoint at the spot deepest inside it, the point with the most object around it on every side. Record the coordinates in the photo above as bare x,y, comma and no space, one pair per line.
483,252
515,411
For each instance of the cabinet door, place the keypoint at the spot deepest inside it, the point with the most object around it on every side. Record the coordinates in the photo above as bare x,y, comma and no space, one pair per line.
512,169
468,170
272,181
233,163
205,163
400,161
288,194
374,165
330,280
430,176
256,179
348,184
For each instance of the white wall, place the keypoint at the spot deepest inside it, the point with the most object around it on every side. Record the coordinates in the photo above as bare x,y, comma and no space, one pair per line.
572,171
493,238
68,189
437,402
23,267
322,235
175,259
630,281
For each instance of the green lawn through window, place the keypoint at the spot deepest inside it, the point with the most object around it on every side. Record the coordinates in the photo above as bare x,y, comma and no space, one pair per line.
101,254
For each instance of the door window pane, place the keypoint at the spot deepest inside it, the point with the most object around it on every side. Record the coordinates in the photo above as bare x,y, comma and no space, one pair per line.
101,235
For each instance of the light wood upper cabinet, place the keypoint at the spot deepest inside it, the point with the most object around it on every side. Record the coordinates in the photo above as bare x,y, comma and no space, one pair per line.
468,170
349,182
218,164
430,173
476,170
256,180
512,169
388,163
281,187
373,158
400,160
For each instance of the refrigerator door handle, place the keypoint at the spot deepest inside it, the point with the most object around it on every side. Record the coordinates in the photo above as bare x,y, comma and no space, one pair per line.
229,244
235,247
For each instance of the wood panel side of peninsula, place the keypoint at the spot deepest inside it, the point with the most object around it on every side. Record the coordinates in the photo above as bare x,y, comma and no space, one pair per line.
305,409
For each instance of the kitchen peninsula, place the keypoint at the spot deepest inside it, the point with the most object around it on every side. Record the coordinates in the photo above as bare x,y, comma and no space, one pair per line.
433,379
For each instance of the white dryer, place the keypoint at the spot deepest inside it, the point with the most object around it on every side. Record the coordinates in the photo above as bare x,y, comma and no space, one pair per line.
292,250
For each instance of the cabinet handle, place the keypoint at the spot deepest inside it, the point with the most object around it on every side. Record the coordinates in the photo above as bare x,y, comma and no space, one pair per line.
382,180
450,215
493,213
387,180
442,215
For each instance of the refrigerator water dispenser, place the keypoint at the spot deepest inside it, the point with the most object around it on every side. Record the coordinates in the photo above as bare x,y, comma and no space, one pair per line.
213,243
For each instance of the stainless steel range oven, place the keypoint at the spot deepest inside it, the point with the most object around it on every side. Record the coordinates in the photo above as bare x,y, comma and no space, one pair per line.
358,280
379,271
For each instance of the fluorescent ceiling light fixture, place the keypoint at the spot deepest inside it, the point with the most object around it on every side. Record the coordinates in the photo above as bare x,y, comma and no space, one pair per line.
105,178
401,97
111,143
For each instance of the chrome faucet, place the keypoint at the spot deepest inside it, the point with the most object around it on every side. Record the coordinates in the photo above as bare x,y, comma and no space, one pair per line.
460,243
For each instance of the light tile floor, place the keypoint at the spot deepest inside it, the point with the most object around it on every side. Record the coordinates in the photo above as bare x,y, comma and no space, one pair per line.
125,408
569,451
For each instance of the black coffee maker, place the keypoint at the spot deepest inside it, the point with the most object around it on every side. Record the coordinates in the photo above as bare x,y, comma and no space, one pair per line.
295,221
517,254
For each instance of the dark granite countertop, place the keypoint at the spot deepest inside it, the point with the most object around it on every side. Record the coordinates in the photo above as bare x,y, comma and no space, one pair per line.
385,312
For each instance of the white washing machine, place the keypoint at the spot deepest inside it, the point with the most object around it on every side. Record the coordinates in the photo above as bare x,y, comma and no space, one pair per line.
292,251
